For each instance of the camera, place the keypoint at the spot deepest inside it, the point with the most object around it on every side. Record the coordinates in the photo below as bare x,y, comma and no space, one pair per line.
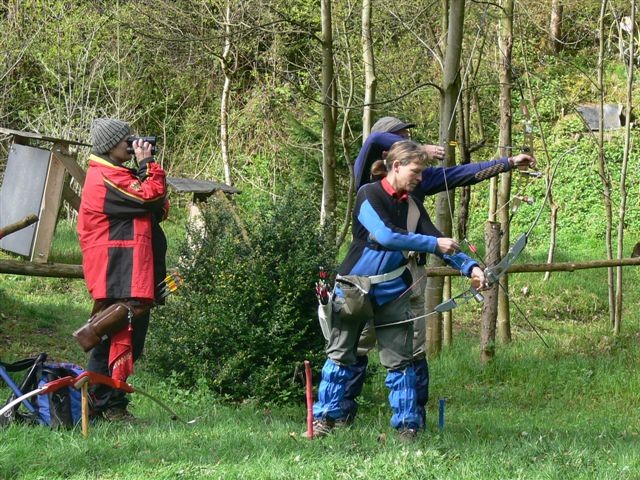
131,139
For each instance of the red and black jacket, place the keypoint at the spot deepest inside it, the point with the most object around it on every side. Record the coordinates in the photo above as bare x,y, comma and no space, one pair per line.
116,227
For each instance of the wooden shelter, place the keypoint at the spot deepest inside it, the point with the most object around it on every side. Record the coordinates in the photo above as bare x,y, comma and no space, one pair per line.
613,116
35,182
201,189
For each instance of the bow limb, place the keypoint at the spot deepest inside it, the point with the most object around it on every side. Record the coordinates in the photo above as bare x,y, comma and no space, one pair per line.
460,299
92,378
408,320
493,273
46,388
174,415
96,378
19,400
514,252
445,306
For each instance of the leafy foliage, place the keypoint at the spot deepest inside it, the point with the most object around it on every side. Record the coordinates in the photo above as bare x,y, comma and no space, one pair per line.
246,317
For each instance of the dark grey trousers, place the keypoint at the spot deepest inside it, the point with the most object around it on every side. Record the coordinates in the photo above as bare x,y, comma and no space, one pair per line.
395,343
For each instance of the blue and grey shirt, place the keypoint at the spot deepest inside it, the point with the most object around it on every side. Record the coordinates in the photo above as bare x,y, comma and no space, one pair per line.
380,236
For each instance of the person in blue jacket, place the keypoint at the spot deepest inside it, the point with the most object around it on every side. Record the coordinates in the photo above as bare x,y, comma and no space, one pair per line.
384,134
374,273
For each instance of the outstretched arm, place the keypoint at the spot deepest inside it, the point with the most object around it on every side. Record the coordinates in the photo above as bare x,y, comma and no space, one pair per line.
439,179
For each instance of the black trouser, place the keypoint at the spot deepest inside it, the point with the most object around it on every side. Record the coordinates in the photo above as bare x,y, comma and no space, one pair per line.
105,397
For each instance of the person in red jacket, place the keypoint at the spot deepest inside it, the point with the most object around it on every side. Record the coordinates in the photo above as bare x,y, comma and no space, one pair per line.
123,248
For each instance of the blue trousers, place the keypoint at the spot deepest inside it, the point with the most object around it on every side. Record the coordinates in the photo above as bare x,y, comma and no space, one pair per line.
402,395
353,388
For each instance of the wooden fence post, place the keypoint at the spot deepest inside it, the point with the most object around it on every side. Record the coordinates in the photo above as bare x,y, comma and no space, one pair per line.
490,306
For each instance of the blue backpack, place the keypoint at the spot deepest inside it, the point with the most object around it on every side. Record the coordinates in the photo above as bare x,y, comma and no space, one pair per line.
62,408
59,409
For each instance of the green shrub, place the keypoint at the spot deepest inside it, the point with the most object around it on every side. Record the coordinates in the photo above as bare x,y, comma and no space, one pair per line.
246,317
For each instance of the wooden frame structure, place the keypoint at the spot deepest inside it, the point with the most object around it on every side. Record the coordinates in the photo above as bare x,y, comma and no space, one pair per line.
56,186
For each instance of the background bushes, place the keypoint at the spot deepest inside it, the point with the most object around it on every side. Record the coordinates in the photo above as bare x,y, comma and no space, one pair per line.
246,317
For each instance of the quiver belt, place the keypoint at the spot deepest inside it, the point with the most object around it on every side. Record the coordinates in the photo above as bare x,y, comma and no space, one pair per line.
108,321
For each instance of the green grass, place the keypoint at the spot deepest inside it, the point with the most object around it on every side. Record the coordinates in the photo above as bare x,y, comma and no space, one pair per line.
568,411
532,413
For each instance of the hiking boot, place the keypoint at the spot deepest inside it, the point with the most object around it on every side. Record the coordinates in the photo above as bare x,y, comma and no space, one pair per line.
407,435
343,423
321,428
118,414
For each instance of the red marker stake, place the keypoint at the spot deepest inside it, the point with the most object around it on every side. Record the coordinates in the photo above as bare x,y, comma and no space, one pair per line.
307,375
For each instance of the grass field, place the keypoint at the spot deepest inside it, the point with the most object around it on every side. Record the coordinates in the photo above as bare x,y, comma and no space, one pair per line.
568,411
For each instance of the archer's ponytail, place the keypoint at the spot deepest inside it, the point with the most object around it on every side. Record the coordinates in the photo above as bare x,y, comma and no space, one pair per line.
378,170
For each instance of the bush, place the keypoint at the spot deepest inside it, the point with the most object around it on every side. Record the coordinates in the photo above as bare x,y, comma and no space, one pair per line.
246,316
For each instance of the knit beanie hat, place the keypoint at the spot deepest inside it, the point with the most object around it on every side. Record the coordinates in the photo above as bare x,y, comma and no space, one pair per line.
106,133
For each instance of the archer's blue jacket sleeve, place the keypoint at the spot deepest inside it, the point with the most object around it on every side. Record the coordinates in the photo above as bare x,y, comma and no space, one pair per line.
460,261
391,237
439,179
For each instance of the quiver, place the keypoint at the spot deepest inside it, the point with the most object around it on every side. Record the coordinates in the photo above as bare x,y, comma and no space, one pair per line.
107,322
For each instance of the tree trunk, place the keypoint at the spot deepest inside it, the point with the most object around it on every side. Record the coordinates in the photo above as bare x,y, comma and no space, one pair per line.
602,169
19,225
553,228
465,158
224,100
20,267
488,319
328,207
445,200
555,27
346,152
625,165
463,212
370,81
473,105
505,46
32,269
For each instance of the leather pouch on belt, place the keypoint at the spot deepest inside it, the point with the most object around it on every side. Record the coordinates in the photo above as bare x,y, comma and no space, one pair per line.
352,302
106,322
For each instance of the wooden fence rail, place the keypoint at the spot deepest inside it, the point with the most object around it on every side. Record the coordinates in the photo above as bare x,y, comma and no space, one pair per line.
63,270
20,267
19,225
